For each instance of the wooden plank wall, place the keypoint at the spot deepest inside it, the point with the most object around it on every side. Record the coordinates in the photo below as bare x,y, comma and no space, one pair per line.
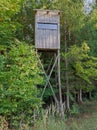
47,38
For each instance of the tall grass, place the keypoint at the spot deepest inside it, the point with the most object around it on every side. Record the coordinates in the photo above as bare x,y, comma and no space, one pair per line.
86,120
87,123
51,124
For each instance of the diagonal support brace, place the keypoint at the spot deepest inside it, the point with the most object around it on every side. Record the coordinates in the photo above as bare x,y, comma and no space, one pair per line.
48,82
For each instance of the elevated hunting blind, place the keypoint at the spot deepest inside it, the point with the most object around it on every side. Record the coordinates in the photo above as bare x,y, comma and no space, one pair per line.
47,29
47,37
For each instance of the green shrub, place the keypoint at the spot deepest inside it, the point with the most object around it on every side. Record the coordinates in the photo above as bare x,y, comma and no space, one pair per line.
75,109
20,74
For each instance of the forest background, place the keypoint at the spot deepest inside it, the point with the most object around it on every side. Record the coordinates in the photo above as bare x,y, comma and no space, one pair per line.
21,77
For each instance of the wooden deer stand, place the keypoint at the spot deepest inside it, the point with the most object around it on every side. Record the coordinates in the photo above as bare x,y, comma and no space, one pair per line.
47,38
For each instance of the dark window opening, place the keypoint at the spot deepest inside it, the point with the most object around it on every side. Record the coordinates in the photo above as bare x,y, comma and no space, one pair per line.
52,26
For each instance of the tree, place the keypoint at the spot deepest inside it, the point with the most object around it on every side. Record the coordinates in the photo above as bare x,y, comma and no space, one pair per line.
72,22
8,25
81,66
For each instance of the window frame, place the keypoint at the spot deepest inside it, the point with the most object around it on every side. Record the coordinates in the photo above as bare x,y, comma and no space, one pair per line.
48,26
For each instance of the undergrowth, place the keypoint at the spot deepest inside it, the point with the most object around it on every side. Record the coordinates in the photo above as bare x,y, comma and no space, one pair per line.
86,120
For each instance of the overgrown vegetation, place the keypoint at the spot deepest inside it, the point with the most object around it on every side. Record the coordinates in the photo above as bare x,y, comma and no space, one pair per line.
85,120
19,77
22,77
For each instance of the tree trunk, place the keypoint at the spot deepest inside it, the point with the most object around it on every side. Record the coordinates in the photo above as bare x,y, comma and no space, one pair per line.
67,86
80,96
66,76
90,96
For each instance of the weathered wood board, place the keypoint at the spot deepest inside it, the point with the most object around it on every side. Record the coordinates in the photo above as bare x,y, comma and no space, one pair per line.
47,29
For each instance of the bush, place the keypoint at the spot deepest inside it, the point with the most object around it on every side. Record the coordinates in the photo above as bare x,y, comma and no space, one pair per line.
19,75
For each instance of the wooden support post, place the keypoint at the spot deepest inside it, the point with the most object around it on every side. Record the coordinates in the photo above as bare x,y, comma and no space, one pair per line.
59,83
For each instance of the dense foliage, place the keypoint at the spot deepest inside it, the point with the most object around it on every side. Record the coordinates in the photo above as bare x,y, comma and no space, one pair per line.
20,73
